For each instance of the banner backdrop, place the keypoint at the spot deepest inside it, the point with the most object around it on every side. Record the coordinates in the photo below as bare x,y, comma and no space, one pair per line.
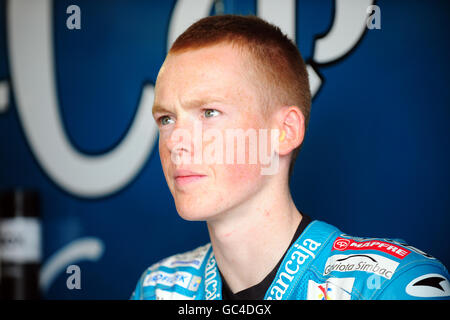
76,91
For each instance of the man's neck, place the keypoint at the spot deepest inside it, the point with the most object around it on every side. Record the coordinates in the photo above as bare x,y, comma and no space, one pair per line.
249,241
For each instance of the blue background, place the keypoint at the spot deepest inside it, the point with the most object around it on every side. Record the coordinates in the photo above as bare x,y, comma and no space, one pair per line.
375,162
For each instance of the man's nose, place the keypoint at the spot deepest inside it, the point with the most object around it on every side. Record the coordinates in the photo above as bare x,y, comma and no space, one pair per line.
181,140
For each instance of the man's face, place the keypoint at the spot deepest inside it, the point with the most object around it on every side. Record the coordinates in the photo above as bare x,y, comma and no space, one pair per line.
199,91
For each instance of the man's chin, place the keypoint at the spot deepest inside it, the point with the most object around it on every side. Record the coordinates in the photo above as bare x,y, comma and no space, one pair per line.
194,214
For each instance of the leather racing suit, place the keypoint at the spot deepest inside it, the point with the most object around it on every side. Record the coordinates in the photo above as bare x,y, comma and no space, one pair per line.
322,264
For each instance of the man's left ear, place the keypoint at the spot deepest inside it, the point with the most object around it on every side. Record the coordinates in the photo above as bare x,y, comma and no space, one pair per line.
291,124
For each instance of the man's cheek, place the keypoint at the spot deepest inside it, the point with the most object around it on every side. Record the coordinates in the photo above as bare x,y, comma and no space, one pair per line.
164,156
238,175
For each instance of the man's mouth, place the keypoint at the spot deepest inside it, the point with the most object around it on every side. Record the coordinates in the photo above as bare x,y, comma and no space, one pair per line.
184,177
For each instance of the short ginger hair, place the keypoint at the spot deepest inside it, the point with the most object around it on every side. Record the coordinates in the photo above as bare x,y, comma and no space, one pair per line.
274,57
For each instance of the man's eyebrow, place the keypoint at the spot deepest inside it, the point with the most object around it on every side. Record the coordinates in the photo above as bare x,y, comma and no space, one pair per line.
158,108
190,104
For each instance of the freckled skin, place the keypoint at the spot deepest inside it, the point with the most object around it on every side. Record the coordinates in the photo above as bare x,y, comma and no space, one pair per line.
196,74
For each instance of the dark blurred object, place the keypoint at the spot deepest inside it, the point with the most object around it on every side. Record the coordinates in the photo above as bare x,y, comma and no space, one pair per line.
20,244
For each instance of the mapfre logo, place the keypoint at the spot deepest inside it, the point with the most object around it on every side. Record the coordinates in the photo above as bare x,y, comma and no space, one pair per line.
341,244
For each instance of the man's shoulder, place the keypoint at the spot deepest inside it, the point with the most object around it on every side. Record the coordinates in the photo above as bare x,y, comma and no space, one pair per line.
190,259
175,277
382,268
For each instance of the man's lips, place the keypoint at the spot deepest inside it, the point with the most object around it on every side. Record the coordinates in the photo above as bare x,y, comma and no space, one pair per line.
183,180
183,177
186,173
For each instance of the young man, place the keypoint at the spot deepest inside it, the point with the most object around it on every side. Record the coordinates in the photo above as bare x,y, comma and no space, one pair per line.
229,75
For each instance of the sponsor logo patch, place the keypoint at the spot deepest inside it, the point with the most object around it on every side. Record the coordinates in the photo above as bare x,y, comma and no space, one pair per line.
332,289
211,282
299,256
371,263
342,244
195,282
186,263
179,278
429,286
192,259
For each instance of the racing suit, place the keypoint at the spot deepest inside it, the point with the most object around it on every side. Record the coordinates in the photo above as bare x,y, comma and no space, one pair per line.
322,264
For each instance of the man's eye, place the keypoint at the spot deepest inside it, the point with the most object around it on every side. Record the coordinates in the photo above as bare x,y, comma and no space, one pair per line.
209,113
165,120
